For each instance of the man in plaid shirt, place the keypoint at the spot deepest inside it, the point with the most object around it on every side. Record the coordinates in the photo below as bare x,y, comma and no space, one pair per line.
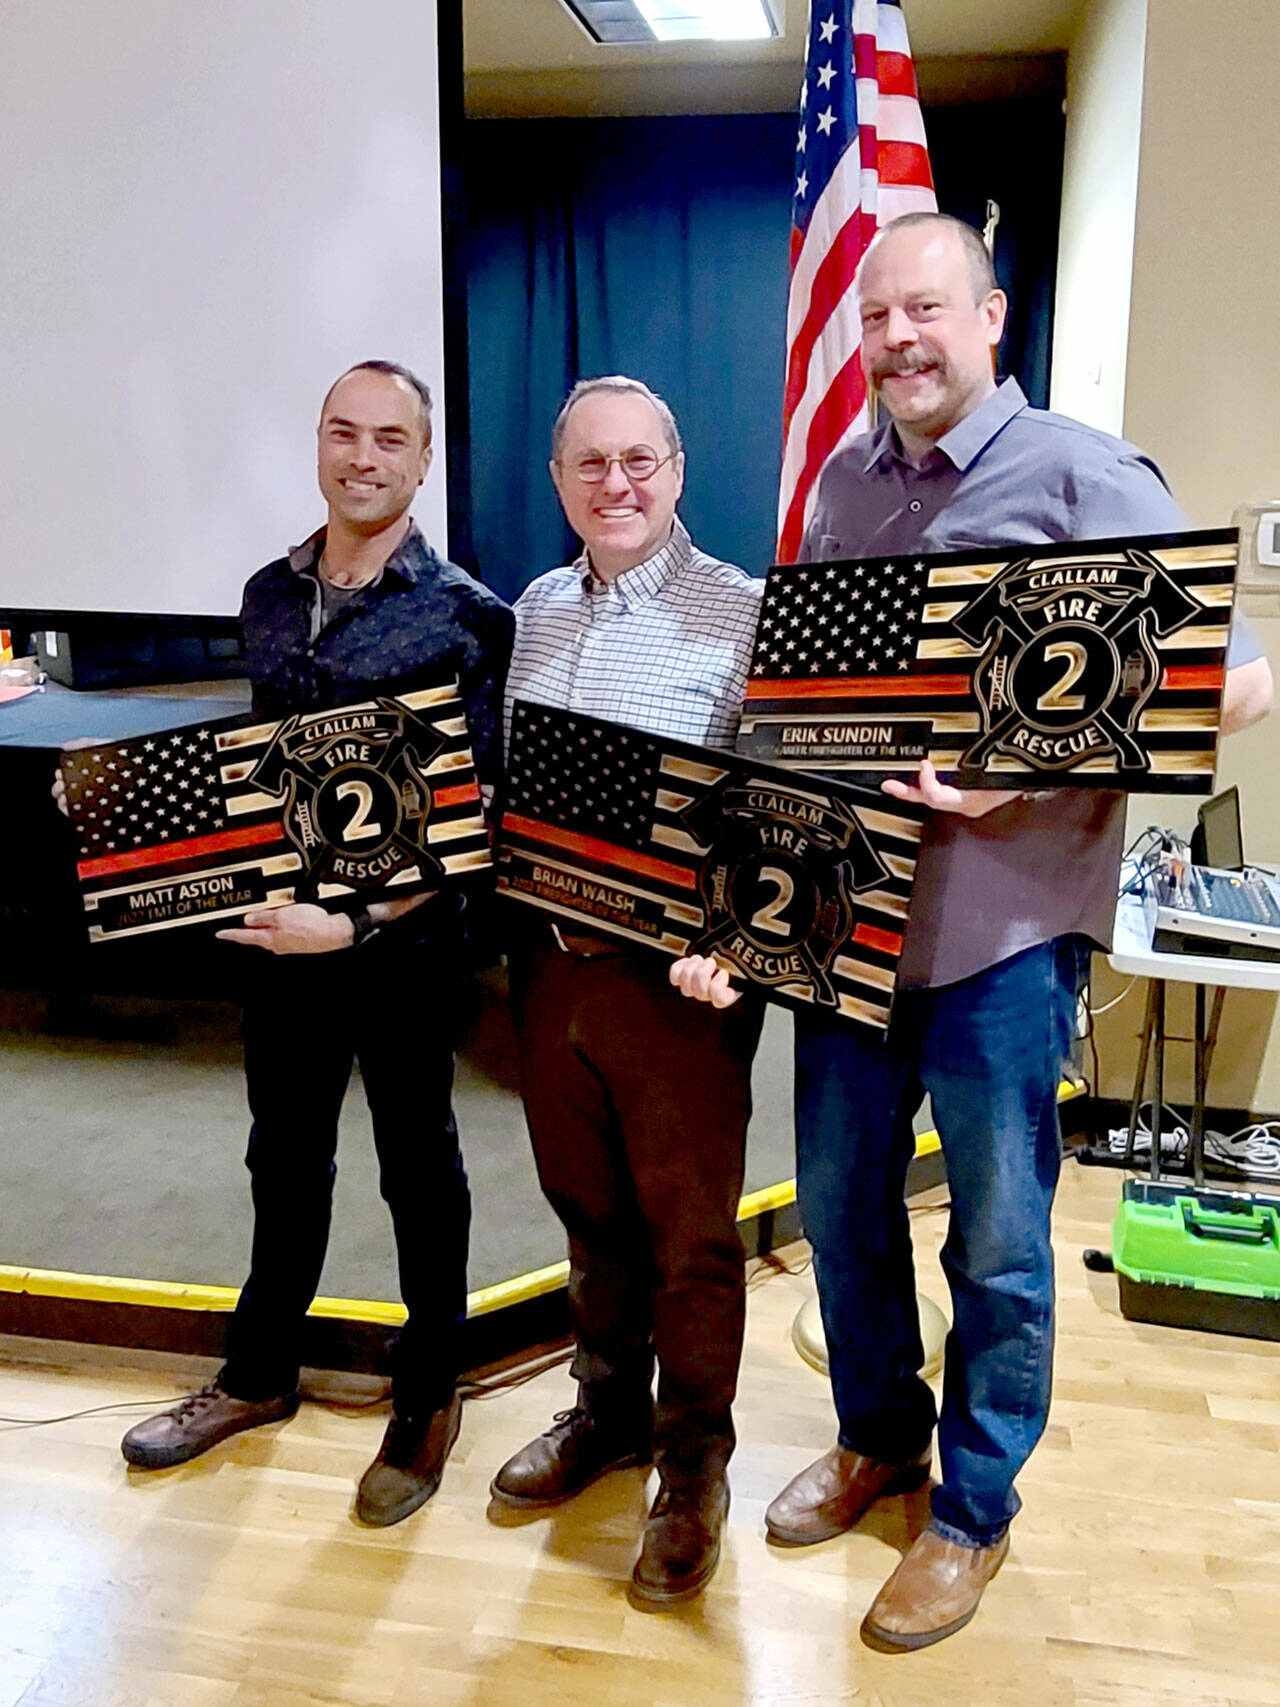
637,1102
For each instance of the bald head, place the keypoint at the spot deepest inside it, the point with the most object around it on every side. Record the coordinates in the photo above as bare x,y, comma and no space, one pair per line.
931,318
982,273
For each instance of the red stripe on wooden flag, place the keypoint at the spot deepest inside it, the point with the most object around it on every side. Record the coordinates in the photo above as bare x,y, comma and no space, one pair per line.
457,796
860,687
251,836
888,942
639,864
1181,677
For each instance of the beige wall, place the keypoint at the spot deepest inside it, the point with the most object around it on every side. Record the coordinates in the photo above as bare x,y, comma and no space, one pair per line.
1202,380
1099,207
1204,352
1203,384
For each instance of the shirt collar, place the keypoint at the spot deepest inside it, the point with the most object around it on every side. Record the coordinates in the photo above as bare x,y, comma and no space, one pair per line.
405,561
968,438
636,586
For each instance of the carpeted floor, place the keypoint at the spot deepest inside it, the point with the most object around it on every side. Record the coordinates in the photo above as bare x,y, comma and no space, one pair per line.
124,1129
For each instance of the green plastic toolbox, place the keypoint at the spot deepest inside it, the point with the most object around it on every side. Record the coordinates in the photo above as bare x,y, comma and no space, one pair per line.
1199,1259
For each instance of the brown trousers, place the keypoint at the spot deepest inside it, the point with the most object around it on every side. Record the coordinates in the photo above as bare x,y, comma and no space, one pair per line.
638,1101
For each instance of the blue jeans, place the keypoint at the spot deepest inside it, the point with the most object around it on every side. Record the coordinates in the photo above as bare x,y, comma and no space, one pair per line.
988,1051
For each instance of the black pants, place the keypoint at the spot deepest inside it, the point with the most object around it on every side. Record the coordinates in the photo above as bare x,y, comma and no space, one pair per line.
638,1103
392,1006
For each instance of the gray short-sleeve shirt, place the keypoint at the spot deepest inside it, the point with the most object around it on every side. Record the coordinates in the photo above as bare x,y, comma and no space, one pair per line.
987,888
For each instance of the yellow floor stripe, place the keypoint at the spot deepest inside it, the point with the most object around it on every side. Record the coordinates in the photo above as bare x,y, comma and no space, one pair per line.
181,1295
519,1290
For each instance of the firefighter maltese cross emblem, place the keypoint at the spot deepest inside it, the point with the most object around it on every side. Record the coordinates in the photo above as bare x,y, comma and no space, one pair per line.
1069,657
356,797
778,881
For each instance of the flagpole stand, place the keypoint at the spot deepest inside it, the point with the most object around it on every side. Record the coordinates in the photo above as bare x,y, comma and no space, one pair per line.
810,1341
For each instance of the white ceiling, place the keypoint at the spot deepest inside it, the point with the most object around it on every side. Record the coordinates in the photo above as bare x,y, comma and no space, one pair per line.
533,56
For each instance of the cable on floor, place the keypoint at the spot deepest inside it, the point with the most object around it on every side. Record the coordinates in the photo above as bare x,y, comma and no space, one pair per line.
492,1387
8,1422
1252,1151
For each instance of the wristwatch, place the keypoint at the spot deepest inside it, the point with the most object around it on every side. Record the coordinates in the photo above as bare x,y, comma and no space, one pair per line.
363,926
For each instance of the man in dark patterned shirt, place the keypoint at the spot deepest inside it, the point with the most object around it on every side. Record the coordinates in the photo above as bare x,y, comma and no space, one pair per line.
364,602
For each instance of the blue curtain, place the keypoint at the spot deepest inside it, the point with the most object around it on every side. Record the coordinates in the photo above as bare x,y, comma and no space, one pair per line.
658,247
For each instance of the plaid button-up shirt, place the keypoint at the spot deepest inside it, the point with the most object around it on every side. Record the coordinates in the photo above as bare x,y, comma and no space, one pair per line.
665,647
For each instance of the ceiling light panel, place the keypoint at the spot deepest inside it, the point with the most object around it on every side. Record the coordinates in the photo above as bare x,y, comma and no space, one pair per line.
700,20
614,22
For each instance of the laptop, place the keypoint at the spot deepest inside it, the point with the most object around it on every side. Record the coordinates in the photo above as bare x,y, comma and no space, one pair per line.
1211,903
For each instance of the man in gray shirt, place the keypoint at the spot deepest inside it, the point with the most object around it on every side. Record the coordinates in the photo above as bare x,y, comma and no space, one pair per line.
1011,892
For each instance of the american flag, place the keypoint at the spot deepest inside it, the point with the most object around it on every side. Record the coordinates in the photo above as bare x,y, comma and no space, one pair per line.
861,161
163,800
613,829
587,779
848,652
174,829
840,619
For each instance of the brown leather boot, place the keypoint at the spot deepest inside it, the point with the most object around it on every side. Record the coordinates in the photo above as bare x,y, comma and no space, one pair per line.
934,1592
833,1493
197,1423
574,1452
681,1541
409,1465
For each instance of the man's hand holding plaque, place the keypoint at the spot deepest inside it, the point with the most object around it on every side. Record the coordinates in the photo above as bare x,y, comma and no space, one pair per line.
226,822
1095,663
800,886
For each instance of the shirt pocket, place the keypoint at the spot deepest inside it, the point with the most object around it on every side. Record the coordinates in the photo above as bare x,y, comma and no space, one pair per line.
684,710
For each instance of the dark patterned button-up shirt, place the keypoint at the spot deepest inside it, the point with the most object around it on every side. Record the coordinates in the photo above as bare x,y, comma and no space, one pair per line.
420,618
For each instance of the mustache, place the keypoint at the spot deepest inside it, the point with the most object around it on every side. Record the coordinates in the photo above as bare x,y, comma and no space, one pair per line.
921,355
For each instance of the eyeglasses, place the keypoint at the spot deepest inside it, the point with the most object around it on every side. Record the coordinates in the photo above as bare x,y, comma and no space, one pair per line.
638,463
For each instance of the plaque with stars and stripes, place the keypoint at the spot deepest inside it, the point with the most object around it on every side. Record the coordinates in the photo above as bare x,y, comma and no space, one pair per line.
1091,663
800,886
208,822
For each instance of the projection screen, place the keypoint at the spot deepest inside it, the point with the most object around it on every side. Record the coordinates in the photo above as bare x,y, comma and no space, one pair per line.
209,210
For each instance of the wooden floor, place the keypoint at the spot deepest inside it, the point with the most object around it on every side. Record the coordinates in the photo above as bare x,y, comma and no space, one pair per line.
1145,1567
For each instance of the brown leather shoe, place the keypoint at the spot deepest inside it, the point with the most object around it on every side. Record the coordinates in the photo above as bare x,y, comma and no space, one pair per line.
934,1592
409,1465
833,1493
681,1541
574,1452
197,1423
